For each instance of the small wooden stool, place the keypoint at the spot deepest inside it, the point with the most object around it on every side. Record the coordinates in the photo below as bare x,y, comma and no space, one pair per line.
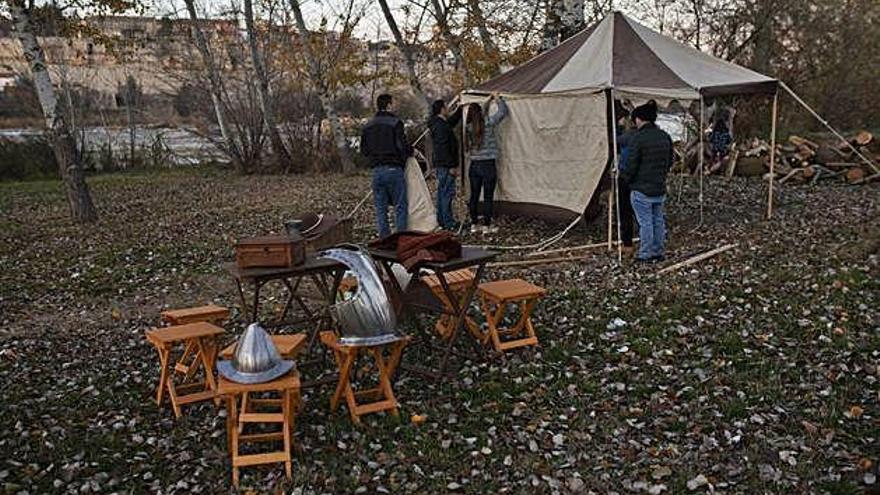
288,346
495,297
201,338
287,387
382,397
459,282
209,313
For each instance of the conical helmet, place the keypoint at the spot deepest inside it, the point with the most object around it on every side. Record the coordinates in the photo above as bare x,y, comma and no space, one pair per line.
256,359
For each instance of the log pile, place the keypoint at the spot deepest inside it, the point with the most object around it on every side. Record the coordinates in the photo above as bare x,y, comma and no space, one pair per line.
802,160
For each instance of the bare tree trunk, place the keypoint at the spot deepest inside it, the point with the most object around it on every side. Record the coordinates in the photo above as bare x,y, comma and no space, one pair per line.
282,158
323,91
485,36
406,51
231,147
79,198
454,46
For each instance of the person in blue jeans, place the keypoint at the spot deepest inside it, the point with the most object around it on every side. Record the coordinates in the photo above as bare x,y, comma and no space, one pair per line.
483,173
648,163
383,141
445,159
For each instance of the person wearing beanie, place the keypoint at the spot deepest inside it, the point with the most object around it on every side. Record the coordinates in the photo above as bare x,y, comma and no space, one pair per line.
648,162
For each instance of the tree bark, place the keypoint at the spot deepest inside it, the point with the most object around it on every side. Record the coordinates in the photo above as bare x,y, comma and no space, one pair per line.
282,158
230,146
454,46
406,50
552,24
485,36
323,91
82,209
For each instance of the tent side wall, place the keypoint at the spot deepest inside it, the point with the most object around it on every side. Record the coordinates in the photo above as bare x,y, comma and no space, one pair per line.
553,153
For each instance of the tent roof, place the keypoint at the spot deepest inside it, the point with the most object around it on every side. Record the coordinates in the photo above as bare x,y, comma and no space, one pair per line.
620,53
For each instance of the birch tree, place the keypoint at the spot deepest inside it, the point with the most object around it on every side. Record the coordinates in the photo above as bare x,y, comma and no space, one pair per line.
227,143
59,131
267,106
323,90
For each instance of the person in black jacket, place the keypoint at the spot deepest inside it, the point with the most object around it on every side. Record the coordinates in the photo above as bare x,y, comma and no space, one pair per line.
649,160
445,158
383,141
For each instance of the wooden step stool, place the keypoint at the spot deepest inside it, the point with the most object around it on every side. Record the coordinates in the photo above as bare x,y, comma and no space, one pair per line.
495,298
201,338
382,397
209,313
287,387
459,281
288,346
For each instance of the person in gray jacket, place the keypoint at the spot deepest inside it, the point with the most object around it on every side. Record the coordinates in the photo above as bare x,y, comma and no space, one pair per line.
483,174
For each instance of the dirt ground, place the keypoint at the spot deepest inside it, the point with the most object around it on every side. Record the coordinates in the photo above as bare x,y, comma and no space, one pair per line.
754,372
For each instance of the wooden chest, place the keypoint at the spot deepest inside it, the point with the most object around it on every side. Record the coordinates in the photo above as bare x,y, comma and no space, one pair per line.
270,251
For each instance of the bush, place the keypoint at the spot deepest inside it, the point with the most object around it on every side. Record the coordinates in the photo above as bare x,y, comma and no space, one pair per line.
27,159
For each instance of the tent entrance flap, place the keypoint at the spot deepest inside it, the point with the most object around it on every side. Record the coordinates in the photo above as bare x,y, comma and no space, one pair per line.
553,150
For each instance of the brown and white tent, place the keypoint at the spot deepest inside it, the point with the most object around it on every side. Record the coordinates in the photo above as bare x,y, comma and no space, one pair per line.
556,143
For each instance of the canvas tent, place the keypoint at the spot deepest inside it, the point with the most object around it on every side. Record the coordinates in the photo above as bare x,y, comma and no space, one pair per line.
558,141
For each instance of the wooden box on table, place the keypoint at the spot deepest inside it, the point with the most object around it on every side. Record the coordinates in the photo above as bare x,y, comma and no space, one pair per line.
270,251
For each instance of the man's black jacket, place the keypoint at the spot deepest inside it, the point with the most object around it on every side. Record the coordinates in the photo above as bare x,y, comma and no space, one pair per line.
383,141
650,158
445,144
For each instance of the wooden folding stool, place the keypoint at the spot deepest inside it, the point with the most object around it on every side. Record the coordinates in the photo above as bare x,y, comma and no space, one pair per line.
459,281
188,362
288,347
201,338
495,297
287,387
381,397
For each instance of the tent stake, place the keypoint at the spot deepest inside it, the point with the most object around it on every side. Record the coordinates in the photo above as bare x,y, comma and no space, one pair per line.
826,124
772,156
702,152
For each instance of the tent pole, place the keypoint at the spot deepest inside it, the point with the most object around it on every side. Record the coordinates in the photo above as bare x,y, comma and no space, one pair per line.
613,188
616,175
772,156
827,125
702,152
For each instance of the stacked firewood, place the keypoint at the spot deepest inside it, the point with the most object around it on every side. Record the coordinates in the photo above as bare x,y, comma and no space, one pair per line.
799,159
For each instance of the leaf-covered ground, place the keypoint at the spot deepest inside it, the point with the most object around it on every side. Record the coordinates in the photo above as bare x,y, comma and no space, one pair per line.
754,372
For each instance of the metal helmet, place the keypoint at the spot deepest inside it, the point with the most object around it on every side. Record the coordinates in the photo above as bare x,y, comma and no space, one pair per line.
256,359
367,318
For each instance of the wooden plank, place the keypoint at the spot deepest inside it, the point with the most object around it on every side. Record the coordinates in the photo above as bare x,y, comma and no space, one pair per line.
207,313
196,397
698,258
254,459
178,333
519,343
375,407
261,418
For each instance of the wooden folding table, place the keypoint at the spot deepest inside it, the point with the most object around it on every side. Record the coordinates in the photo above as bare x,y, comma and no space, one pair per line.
470,258
325,274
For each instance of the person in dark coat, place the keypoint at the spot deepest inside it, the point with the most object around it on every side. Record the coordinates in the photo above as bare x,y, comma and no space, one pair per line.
624,134
445,160
649,161
383,141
